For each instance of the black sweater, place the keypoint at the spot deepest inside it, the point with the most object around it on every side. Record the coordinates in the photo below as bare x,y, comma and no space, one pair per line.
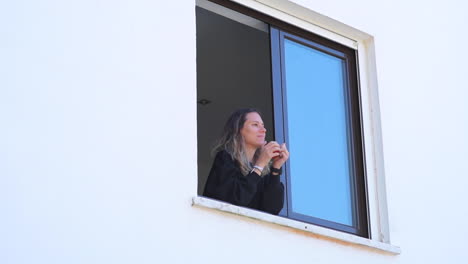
227,183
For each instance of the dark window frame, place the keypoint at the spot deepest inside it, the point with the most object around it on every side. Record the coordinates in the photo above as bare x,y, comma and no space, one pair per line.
279,30
354,123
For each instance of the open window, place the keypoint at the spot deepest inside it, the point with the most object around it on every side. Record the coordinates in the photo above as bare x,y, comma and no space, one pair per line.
233,71
307,88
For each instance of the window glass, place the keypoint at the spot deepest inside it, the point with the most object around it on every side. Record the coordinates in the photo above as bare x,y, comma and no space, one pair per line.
317,133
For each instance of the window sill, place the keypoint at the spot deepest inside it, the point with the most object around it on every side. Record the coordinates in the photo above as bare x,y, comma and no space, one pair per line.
316,230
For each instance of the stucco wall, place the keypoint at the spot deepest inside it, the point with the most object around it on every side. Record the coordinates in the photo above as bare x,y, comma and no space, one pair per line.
98,137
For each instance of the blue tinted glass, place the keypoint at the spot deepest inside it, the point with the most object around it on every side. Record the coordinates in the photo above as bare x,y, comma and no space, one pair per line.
320,174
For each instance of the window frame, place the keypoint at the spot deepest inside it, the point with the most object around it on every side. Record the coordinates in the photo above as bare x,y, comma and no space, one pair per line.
357,177
299,20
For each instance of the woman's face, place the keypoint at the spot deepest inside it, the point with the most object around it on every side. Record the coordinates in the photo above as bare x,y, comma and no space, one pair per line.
253,130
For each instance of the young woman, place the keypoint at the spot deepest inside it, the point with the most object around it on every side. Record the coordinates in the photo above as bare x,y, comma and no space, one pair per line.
246,169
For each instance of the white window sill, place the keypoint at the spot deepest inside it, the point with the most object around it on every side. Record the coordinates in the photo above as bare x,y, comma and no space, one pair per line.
316,230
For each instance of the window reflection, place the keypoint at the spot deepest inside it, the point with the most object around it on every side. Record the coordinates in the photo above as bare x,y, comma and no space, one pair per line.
318,133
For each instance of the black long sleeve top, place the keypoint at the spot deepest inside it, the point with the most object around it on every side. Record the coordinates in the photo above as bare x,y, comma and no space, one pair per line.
226,182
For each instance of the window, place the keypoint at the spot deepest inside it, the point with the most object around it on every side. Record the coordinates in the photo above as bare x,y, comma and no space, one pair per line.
308,91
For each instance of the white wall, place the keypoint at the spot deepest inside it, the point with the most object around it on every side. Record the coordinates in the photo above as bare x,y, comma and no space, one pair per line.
97,106
98,136
423,97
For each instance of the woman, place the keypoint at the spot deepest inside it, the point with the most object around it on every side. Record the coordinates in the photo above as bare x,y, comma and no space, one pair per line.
246,170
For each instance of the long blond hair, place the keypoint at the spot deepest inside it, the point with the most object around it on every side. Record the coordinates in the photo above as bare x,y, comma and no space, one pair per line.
233,143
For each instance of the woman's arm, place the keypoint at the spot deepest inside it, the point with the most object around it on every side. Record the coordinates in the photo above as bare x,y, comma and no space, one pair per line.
226,182
273,194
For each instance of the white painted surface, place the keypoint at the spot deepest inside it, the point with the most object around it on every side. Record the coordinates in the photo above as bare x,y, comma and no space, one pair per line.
307,19
322,232
98,136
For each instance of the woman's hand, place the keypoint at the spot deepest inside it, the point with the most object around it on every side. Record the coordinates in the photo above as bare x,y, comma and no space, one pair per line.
282,157
267,152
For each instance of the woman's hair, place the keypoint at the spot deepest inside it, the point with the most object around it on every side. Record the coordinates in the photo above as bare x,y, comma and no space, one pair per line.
233,143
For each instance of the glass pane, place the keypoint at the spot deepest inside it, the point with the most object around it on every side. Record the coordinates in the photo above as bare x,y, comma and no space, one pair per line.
318,138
